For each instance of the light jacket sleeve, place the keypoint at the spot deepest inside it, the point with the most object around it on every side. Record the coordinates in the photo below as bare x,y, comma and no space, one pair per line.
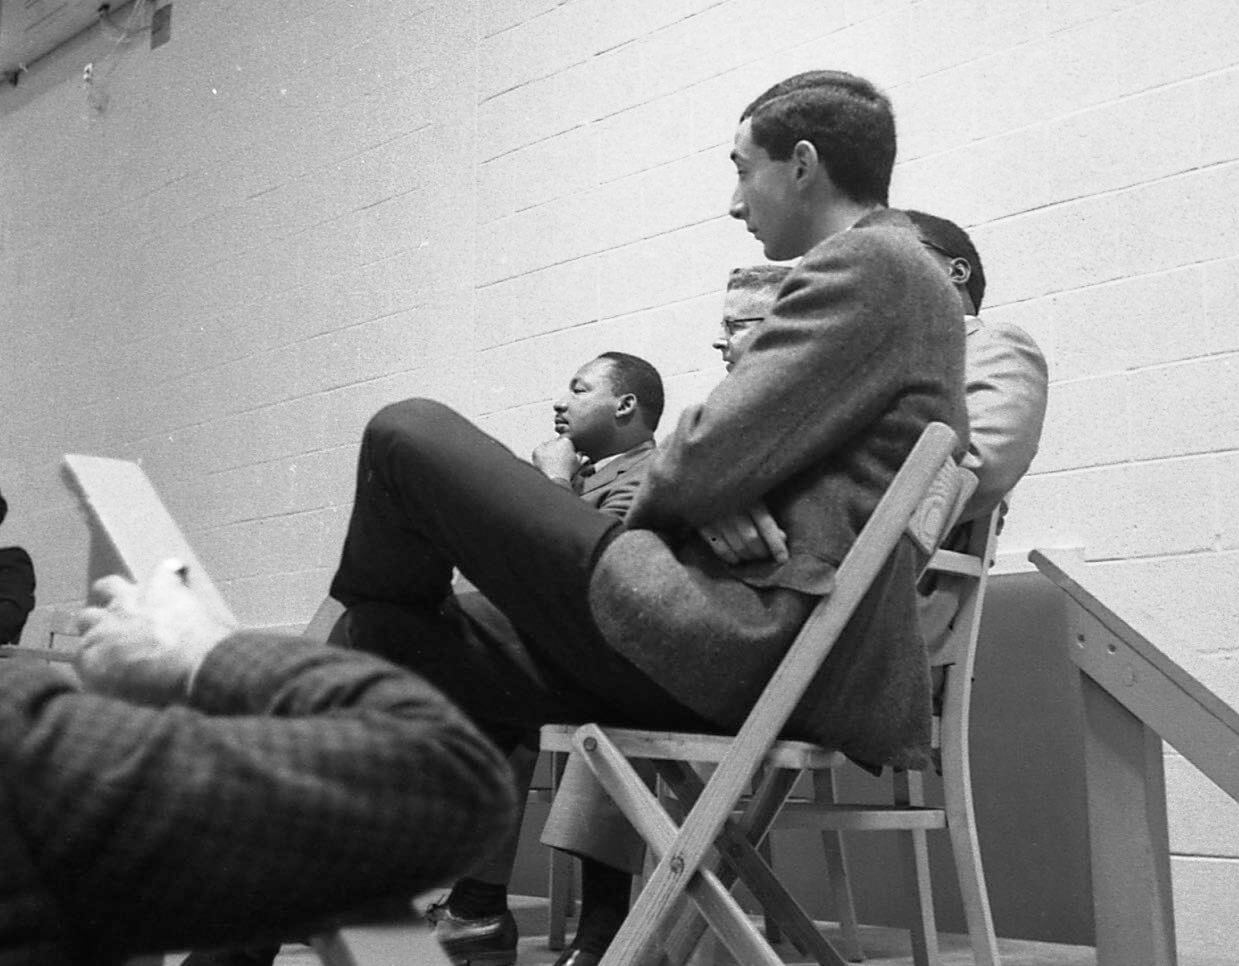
1006,398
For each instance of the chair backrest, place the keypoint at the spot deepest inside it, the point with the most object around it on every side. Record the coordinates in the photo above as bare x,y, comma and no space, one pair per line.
957,657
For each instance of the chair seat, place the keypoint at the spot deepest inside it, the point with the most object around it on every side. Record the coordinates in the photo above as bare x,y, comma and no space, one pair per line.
682,746
816,816
953,562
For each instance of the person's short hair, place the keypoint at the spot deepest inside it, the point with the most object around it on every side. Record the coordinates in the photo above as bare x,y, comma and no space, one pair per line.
632,374
952,241
4,508
848,120
757,278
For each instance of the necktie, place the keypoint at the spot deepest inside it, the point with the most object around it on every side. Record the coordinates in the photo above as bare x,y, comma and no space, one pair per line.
581,475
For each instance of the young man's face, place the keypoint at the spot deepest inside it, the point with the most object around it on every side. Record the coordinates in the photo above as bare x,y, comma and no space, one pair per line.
586,412
742,310
765,198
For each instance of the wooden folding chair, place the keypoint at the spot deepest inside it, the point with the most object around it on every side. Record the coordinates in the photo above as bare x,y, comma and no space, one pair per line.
129,513
922,502
907,813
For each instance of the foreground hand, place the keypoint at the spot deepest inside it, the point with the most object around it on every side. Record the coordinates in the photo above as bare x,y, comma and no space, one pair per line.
557,458
747,535
145,643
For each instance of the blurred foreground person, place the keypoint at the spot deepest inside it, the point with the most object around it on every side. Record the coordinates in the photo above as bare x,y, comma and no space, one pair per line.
210,785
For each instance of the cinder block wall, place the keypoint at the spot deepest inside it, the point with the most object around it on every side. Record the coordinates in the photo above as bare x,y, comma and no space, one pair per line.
225,253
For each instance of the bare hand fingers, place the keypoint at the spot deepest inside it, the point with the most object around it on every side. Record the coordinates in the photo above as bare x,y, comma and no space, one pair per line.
87,618
167,579
771,534
115,592
745,538
718,544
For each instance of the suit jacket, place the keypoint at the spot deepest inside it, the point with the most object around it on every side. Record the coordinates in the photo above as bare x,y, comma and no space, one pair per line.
613,487
863,348
1005,391
300,781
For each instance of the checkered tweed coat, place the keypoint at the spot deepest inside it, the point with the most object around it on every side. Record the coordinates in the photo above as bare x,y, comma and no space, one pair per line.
300,781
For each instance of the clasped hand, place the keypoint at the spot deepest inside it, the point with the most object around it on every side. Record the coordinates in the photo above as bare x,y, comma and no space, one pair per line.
557,458
144,643
746,535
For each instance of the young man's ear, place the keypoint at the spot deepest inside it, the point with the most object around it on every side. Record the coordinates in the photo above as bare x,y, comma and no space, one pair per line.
804,156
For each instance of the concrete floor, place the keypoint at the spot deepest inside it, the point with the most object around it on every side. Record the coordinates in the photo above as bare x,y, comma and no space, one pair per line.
883,947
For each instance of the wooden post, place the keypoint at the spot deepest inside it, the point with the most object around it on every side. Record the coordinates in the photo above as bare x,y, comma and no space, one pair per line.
1128,836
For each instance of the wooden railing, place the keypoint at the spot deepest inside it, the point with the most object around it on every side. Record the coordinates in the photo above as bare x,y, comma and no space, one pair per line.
1140,686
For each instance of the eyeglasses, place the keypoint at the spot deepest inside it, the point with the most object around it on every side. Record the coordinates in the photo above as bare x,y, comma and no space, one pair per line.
732,326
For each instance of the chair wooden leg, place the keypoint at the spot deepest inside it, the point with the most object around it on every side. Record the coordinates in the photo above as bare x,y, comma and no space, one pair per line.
909,791
838,877
773,935
962,827
561,877
560,889
635,943
736,849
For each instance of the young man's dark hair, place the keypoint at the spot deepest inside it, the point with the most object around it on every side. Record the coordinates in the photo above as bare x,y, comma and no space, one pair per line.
633,374
4,508
949,239
848,120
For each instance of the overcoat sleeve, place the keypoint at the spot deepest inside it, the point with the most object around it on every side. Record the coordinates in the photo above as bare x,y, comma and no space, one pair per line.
303,780
1006,397
822,367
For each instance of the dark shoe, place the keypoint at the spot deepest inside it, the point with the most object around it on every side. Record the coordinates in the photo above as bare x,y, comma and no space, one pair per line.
577,957
238,956
489,941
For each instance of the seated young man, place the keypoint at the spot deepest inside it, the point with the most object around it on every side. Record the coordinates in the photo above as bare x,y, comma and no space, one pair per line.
1005,389
677,619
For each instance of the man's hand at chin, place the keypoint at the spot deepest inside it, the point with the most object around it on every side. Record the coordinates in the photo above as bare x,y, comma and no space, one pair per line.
747,535
557,458
145,643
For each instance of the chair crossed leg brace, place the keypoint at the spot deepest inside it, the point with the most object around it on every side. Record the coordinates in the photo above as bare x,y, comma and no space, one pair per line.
923,501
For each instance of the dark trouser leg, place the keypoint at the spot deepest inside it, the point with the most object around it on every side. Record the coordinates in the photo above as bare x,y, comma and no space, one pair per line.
434,492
